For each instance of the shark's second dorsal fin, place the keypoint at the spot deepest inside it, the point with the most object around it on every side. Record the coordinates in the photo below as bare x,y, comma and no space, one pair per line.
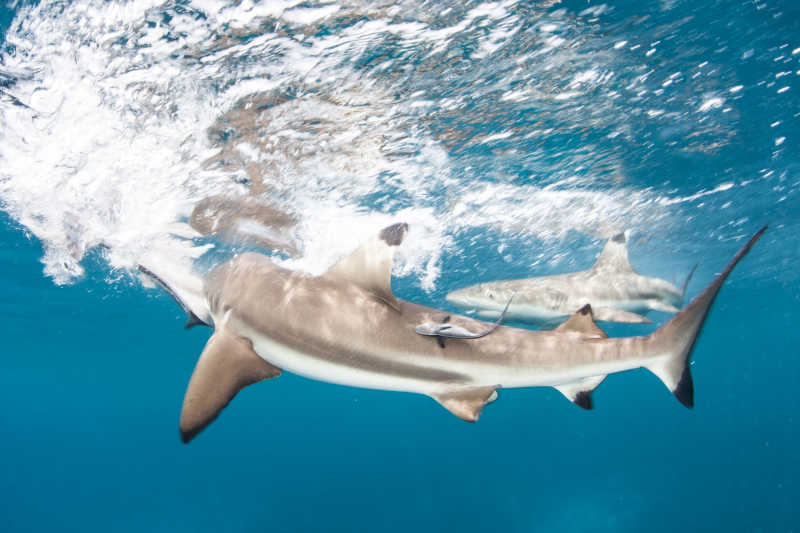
614,256
227,365
370,266
583,322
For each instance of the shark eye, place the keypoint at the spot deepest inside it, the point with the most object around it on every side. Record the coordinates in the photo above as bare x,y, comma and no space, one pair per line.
490,295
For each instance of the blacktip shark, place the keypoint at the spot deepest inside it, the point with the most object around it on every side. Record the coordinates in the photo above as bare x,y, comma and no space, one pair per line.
616,292
347,327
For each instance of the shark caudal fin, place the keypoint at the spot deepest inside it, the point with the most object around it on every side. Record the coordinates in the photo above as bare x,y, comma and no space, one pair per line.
686,282
673,342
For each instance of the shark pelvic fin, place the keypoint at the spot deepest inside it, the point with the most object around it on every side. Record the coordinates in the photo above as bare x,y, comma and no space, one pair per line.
370,265
580,392
227,365
612,314
582,322
467,404
614,256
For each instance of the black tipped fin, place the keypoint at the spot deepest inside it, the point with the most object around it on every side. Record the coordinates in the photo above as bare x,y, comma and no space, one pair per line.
676,339
193,320
370,265
584,400
582,321
580,392
393,235
684,391
614,257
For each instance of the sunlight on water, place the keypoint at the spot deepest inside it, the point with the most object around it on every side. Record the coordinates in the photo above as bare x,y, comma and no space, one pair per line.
515,138
118,118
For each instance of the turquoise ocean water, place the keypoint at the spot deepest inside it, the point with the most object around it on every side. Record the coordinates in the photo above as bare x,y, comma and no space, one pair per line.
514,137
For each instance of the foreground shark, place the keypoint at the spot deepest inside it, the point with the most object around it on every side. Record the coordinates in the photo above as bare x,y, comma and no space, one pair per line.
347,327
615,290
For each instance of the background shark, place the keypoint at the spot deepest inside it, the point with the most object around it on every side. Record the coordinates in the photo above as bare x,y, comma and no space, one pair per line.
616,292
347,327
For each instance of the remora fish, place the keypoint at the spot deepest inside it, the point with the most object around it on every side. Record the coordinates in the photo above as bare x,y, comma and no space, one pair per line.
347,327
616,292
445,330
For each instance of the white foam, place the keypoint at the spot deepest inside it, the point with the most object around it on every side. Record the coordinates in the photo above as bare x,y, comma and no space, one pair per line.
129,116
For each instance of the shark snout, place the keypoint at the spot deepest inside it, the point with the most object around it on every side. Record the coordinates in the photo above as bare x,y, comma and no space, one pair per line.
461,298
454,299
477,296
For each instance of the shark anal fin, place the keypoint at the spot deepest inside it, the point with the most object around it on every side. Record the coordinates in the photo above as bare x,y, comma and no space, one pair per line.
612,314
227,365
467,404
370,265
580,392
582,322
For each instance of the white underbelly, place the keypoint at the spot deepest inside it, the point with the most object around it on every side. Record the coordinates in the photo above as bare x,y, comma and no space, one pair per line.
331,370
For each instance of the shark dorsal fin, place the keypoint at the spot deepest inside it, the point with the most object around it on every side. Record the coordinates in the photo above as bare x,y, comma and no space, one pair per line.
583,322
227,365
370,265
614,256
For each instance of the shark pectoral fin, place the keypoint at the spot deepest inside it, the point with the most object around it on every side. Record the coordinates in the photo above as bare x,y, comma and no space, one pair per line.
580,392
227,365
370,266
467,404
657,305
582,321
185,296
612,314
193,320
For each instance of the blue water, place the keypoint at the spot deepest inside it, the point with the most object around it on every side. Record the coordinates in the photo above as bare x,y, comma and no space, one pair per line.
93,366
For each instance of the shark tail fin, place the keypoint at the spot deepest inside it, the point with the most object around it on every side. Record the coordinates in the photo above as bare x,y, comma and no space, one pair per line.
185,288
686,282
673,342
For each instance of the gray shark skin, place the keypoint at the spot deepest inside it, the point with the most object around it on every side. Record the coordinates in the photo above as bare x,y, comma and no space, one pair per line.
616,292
347,327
